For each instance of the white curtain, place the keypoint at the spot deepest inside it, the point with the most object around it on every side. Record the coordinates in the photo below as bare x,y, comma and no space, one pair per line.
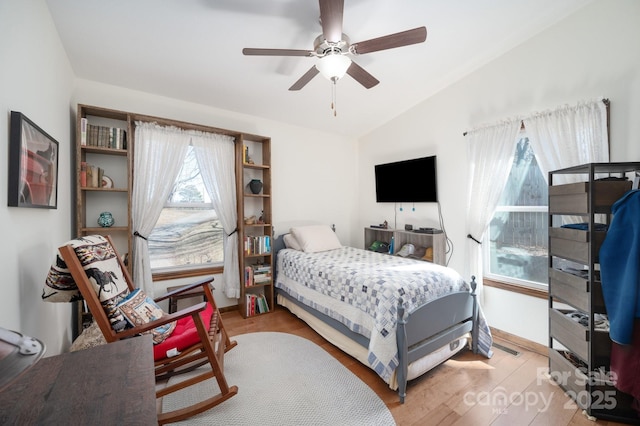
565,137
159,154
216,159
491,151
569,136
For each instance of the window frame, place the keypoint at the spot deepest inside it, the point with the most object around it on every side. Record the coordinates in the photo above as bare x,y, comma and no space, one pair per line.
505,282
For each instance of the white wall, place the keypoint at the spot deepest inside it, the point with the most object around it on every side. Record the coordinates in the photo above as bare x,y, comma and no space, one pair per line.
35,79
595,52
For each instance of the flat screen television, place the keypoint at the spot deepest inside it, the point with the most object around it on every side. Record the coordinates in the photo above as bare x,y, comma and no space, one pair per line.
408,181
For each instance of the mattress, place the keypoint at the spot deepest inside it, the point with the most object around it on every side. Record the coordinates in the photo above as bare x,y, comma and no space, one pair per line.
360,289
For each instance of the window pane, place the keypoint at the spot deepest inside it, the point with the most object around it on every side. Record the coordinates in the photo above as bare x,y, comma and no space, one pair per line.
526,185
517,239
518,246
188,233
186,237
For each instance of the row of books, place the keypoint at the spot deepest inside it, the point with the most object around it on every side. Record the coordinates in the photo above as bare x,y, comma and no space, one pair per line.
256,304
260,244
257,274
102,136
90,175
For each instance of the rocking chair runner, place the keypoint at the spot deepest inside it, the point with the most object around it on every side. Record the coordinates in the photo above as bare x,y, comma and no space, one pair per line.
198,336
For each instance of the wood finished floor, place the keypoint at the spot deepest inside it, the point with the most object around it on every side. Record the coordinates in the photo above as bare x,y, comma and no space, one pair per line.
465,390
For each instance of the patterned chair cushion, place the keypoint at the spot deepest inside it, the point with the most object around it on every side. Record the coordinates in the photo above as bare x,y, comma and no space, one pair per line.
139,309
100,262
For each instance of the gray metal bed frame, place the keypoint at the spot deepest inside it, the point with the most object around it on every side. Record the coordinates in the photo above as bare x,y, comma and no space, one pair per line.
420,331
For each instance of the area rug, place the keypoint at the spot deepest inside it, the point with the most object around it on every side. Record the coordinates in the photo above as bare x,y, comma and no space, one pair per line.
284,379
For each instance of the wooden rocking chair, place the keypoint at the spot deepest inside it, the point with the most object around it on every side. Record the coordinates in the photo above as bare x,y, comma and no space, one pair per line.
197,335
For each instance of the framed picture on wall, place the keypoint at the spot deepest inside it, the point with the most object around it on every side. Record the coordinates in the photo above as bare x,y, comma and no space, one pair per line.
33,165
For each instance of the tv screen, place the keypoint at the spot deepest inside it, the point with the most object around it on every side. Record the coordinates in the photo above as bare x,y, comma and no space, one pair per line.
409,181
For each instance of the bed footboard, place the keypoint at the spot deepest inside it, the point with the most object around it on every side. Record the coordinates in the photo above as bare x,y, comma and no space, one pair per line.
433,325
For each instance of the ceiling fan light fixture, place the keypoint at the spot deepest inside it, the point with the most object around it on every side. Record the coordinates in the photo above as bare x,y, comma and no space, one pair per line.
333,66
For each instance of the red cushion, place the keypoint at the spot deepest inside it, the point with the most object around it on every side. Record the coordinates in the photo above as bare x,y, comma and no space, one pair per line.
184,335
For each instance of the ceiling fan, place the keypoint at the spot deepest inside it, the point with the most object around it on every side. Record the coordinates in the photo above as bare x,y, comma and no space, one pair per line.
334,49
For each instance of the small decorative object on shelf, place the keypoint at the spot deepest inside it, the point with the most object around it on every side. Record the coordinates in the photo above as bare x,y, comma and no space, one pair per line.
255,186
107,182
106,219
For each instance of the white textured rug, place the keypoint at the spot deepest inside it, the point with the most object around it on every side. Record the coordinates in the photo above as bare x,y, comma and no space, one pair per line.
282,380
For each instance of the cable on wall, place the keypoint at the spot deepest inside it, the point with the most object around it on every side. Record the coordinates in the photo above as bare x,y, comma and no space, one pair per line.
449,244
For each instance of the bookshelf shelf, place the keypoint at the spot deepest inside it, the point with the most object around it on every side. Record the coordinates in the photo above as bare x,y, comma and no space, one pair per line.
101,150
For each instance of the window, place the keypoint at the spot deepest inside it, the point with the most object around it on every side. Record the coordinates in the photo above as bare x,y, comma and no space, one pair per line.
517,239
188,234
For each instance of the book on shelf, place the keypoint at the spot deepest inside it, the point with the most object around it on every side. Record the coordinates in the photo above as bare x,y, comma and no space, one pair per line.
83,174
83,131
96,179
105,137
257,274
248,276
90,175
256,304
260,244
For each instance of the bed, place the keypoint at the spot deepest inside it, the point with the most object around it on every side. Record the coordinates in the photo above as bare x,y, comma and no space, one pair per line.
400,317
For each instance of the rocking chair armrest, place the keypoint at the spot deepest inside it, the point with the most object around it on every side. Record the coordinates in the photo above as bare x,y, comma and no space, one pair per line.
191,310
186,288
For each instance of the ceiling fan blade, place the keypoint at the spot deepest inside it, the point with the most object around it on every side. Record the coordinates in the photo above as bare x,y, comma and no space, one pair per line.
361,76
331,12
302,81
275,52
404,38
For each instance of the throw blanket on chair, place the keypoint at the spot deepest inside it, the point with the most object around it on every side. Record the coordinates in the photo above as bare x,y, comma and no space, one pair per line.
102,268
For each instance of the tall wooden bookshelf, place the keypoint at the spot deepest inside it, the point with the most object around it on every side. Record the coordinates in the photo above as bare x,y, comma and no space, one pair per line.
103,180
103,143
255,230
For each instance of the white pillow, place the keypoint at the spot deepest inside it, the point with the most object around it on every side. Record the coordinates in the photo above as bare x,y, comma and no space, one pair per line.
315,238
291,242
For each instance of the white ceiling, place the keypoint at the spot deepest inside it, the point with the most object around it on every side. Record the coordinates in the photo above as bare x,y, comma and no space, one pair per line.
192,50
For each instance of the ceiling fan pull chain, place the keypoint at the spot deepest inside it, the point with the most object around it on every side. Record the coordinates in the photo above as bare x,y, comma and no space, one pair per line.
334,103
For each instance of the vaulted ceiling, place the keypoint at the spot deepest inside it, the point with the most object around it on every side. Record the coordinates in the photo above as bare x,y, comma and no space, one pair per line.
192,50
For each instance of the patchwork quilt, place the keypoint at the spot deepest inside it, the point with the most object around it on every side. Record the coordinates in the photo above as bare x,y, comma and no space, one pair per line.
372,282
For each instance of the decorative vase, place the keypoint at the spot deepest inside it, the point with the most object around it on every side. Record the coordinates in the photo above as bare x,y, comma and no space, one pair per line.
105,219
255,186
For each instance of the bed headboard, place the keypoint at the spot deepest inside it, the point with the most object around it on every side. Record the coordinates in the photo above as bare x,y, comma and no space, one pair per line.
278,244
